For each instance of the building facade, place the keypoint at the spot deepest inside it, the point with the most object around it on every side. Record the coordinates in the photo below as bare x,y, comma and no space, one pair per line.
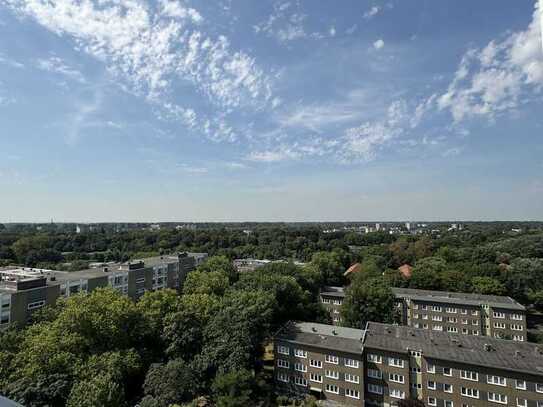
322,360
385,364
468,314
24,290
332,299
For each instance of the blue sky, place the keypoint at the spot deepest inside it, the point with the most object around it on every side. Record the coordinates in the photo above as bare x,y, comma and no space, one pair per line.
233,110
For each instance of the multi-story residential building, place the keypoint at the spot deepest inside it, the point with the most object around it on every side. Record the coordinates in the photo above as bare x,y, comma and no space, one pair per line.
323,360
449,370
23,290
332,298
468,314
385,364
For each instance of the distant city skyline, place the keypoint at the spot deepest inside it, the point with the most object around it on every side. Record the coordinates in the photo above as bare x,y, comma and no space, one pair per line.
235,110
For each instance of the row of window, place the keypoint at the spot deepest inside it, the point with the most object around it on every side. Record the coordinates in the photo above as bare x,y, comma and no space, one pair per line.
331,374
395,362
329,388
330,301
451,329
463,311
394,393
493,397
450,320
503,325
300,353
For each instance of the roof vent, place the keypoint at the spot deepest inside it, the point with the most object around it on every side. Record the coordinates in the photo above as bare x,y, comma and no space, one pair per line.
488,347
518,354
53,278
334,332
314,329
106,269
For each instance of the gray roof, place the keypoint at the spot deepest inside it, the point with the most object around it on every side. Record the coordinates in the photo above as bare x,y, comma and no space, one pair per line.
323,336
4,402
157,260
503,354
446,297
330,291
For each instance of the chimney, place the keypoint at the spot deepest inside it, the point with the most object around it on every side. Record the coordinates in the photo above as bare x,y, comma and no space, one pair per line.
488,348
106,269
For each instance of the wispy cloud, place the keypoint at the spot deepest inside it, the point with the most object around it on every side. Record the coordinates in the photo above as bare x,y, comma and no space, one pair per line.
491,80
5,60
379,44
372,12
56,65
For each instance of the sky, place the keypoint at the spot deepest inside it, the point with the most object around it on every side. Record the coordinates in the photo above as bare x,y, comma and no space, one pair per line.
289,110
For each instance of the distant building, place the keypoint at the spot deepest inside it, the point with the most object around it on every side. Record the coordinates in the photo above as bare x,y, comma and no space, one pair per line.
24,289
468,314
332,299
245,265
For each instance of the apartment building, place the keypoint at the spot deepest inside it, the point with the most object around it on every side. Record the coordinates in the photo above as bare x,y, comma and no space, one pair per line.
23,289
322,360
449,370
385,364
468,314
332,298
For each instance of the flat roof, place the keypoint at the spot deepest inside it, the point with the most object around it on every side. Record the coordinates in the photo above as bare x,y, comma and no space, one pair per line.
323,336
447,297
523,357
331,291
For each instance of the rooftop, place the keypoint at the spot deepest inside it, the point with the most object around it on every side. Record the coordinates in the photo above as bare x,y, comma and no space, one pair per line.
330,291
458,298
323,336
485,351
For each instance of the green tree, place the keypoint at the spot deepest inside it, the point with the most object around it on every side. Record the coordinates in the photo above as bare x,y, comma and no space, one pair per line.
201,282
487,285
99,390
220,263
367,300
329,266
234,389
427,273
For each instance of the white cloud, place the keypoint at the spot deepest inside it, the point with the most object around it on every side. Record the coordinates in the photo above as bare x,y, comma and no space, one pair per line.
362,142
493,80
378,44
372,12
4,60
282,153
332,31
452,152
57,65
150,48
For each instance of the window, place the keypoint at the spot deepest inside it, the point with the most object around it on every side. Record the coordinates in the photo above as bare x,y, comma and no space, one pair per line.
436,308
315,363
474,322
438,318
300,381
415,353
283,350
375,358
397,394
520,384
452,329
355,394
375,389
450,310
432,401
424,307
464,311
332,374
518,338
469,375
416,385
452,320
398,378
497,398
332,388
431,385
415,369
465,321
522,402
332,359
447,371
283,363
447,388
475,332
424,316
282,377
337,302
431,368
516,327
499,314
474,313
315,377
352,378
351,363
516,317
36,304
437,328
375,374
497,380
395,362
468,392
539,387
300,367
140,280
499,325
300,353
448,403
326,300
